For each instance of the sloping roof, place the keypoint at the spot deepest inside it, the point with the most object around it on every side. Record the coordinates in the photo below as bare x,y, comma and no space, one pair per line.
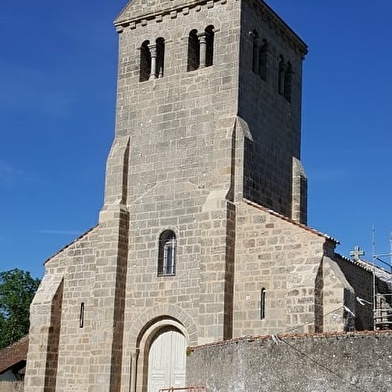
380,273
285,218
71,243
14,354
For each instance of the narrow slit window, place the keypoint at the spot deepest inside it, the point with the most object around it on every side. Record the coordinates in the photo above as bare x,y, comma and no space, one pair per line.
81,315
262,304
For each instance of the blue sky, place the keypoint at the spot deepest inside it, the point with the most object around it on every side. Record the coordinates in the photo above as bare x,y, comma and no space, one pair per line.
57,99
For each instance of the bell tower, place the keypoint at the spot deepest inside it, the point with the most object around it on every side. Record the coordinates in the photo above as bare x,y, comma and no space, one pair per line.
188,72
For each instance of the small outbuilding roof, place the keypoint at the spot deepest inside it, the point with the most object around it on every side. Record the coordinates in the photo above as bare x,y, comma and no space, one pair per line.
14,354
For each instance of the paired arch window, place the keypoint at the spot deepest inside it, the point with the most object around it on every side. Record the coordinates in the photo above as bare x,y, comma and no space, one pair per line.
167,253
260,55
285,79
200,54
260,66
200,48
152,58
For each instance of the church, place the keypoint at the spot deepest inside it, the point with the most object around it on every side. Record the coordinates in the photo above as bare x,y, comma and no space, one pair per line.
203,233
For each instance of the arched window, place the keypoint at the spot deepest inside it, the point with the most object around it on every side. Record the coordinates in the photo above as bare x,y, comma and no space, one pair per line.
255,54
201,49
152,58
167,253
145,61
288,82
263,58
285,79
262,304
209,31
193,51
160,57
281,75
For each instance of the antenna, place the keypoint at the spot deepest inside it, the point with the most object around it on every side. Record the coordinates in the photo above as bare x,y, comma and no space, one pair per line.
390,248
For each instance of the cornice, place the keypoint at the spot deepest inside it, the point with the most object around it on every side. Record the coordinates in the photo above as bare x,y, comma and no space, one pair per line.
171,10
276,23
176,7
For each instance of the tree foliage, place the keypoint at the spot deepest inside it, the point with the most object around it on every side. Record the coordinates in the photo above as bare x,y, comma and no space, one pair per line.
17,289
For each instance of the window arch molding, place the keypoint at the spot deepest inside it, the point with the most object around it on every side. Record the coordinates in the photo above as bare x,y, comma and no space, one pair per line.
167,253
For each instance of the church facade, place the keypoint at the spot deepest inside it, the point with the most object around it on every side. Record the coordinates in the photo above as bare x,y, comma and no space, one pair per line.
202,236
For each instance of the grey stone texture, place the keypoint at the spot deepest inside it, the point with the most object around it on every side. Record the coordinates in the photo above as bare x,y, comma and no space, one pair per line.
212,155
319,363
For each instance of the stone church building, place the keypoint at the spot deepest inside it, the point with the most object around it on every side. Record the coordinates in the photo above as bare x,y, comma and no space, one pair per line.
202,236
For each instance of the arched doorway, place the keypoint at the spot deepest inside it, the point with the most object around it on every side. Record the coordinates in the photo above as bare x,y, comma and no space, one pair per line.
166,360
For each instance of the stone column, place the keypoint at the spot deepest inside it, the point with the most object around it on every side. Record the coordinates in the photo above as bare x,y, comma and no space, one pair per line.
203,49
135,355
153,53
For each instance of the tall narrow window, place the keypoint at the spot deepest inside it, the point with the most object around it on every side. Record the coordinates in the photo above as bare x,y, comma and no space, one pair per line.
81,315
255,55
262,304
209,31
167,253
281,75
193,51
160,57
145,62
263,58
288,82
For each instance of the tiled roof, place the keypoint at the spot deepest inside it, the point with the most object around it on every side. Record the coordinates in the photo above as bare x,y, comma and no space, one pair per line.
380,273
14,354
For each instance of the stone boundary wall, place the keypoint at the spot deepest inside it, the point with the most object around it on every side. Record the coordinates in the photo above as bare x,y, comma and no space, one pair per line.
307,363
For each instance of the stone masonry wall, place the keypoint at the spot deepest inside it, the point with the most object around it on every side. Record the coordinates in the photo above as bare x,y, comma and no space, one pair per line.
273,120
180,128
11,386
361,280
321,363
57,322
284,259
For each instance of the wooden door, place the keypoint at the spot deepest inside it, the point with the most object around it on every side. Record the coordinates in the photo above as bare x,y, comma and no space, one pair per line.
166,361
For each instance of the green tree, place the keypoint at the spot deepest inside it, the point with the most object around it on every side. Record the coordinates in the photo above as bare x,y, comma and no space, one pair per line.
17,289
